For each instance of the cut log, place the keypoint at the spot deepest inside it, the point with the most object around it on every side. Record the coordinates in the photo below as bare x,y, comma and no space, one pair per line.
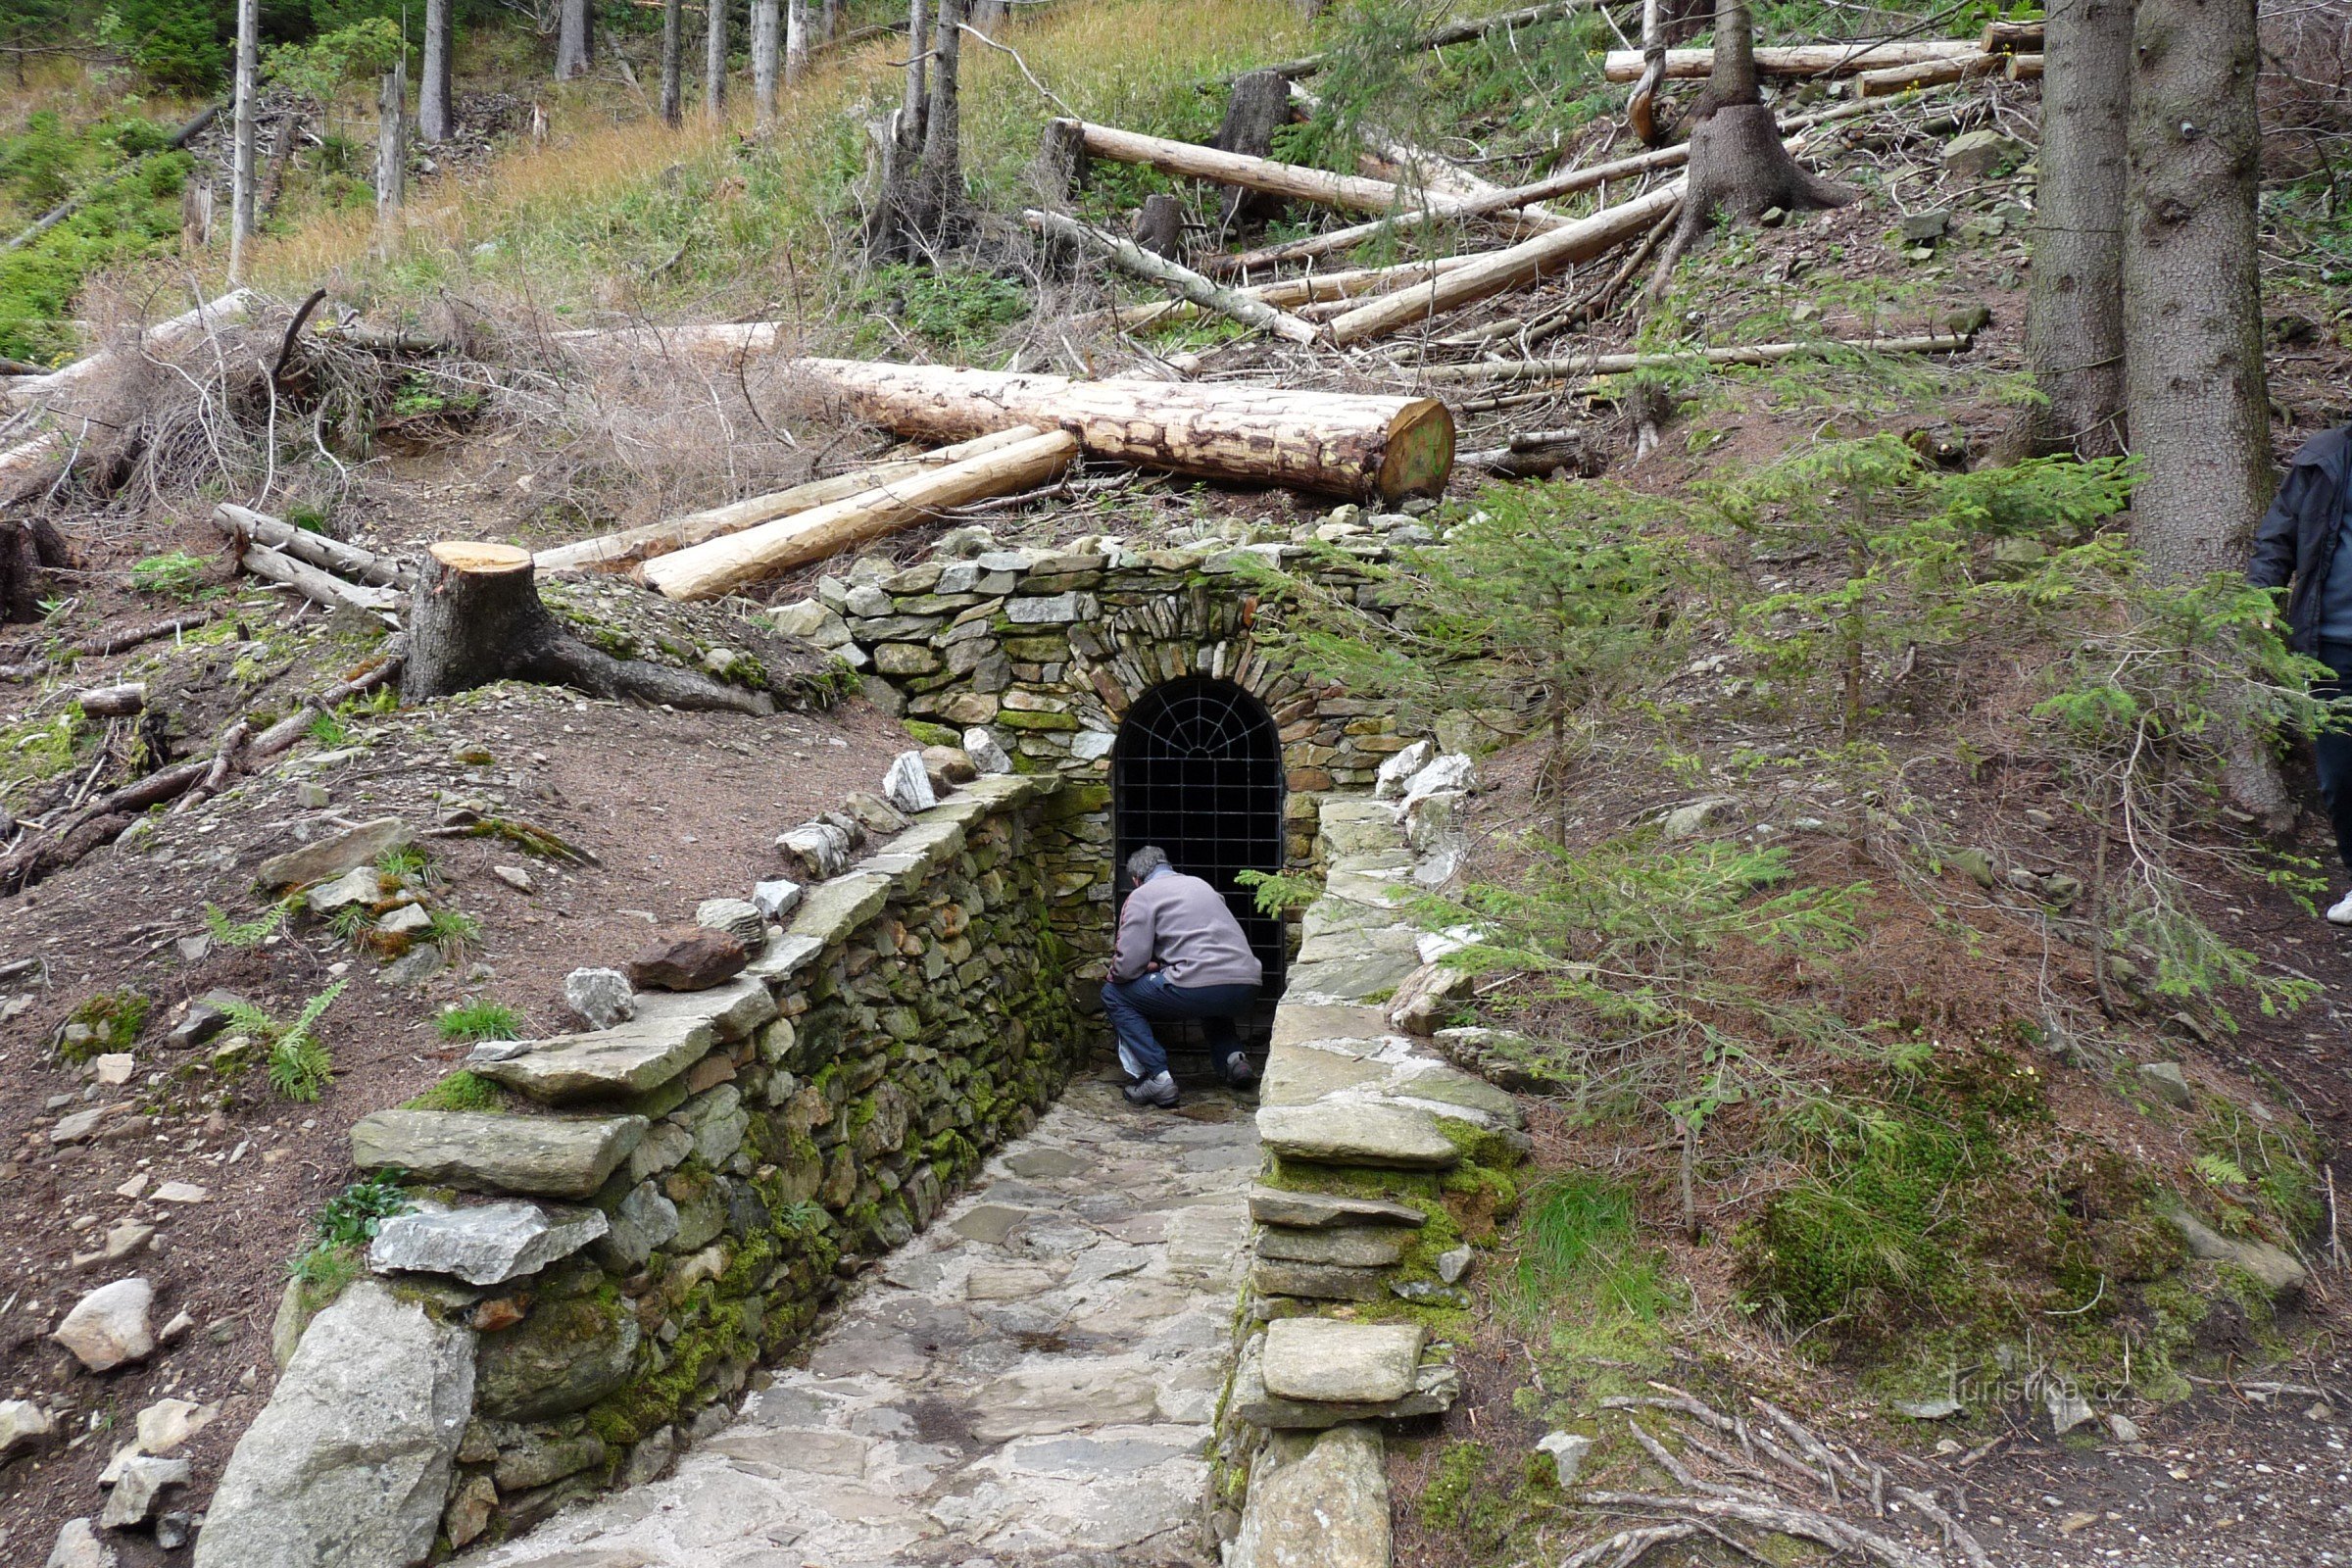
475,617
2012,38
1290,292
1126,254
1893,80
2023,68
1364,447
732,338
1417,167
1503,269
1159,227
241,523
1739,354
614,551
114,701
1294,181
319,587
1800,60
721,565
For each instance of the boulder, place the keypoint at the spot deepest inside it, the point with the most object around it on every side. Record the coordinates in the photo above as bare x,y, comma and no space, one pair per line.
1354,1132
602,996
139,1486
1390,779
1317,1502
409,920
907,785
168,1423
687,957
543,1157
348,1465
23,1425
362,884
739,918
108,1326
819,849
331,857
1567,1450
564,1358
2166,1080
2275,1268
947,766
1975,153
486,1245
774,896
1324,1358
985,755
79,1546
626,1059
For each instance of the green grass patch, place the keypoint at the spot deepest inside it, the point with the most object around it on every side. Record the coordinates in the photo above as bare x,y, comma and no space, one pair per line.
480,1019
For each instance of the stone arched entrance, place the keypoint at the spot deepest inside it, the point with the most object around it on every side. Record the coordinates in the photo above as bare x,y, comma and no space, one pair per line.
1198,771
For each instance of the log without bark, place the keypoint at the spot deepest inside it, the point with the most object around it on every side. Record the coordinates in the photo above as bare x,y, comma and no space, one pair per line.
1503,269
2023,68
1291,292
2012,38
318,587
243,524
1292,180
1256,314
1362,447
475,617
1742,353
707,570
1800,60
164,336
614,551
1893,80
114,701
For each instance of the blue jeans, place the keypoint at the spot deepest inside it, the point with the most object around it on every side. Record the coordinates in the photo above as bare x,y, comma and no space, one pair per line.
2332,749
1131,1005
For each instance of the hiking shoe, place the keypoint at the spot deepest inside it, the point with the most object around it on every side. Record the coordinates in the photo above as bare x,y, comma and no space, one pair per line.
1238,1071
2341,913
1157,1090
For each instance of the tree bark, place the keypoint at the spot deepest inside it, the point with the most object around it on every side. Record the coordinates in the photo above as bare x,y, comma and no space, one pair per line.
2194,398
828,21
1796,61
434,122
715,62
476,617
940,173
241,523
573,28
673,63
1126,254
915,99
1897,80
1259,105
721,565
766,39
2073,311
1364,447
1159,227
392,141
795,41
240,179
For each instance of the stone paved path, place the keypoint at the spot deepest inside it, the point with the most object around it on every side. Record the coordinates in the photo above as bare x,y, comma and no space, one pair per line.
1028,1383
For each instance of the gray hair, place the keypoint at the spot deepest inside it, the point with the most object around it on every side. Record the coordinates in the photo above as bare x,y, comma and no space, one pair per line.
1143,862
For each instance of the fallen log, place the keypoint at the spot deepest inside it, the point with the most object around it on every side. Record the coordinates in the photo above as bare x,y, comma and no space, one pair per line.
1894,79
1742,353
476,617
1314,288
1294,181
243,524
1364,447
1434,173
1533,454
1507,269
1800,60
1254,313
730,336
2023,68
234,306
631,545
721,565
114,702
2012,38
319,587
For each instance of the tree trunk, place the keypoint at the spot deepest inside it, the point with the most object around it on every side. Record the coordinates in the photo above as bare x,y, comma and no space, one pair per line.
1796,62
715,62
795,41
1361,446
828,21
933,207
1296,182
1259,106
2197,410
988,15
28,546
673,63
433,116
916,98
1159,227
240,179
475,617
573,28
767,39
2074,314
392,141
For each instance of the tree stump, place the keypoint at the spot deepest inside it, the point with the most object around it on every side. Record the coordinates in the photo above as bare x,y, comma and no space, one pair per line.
1159,227
1062,163
1259,106
475,617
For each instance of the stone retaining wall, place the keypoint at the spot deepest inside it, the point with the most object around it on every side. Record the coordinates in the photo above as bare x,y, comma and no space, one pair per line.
673,1201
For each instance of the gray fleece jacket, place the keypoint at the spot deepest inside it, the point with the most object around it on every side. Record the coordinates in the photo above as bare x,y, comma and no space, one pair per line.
1184,923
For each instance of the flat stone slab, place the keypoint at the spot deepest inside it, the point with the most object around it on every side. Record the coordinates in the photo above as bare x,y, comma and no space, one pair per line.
1350,1247
1318,1282
1295,1022
1274,1206
1434,1390
732,1009
487,1245
1302,1074
1322,1500
332,857
1343,1133
1363,975
1351,1363
628,1058
832,910
544,1156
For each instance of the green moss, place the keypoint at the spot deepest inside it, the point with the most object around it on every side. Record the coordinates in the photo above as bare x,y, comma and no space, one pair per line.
463,1091
926,733
108,1023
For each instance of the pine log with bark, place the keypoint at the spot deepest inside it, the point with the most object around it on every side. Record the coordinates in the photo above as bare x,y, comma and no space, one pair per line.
2074,310
475,617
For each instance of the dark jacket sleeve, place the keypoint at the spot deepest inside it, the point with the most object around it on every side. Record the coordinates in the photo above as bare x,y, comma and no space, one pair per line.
2275,541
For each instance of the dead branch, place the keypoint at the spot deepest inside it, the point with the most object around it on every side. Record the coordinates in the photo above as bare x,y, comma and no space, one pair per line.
1133,258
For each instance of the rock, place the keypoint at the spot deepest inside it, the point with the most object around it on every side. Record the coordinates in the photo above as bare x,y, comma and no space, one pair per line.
985,755
1976,865
1447,774
564,1358
907,785
168,1423
1941,1407
138,1487
1434,1390
2165,1080
173,1529
349,1464
361,885
108,1326
415,967
1324,1358
2277,1272
1275,1205
775,897
518,877
1346,1133
739,918
356,847
1316,1282
78,1546
468,1513
1454,1264
2125,1429
819,849
1354,1247
1975,153
687,957
947,766
626,1059
2067,1408
543,1157
642,1222
1921,227
114,1068
1319,1502
79,1126
200,1018
1391,777
1061,1396
181,1193
869,813
409,920
23,1425
602,996
1691,821
486,1245
1567,1450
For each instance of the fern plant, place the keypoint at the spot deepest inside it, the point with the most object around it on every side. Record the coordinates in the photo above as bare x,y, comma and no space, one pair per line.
298,1061
231,933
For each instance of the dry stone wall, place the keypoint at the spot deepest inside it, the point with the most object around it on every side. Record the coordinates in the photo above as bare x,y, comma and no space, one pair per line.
598,1264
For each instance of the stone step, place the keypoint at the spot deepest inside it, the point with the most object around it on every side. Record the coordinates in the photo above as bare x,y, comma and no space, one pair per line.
1272,1205
544,1156
1435,1389
615,1064
1327,1360
1353,1133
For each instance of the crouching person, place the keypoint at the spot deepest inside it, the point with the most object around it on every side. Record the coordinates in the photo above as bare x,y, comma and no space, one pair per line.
1180,955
